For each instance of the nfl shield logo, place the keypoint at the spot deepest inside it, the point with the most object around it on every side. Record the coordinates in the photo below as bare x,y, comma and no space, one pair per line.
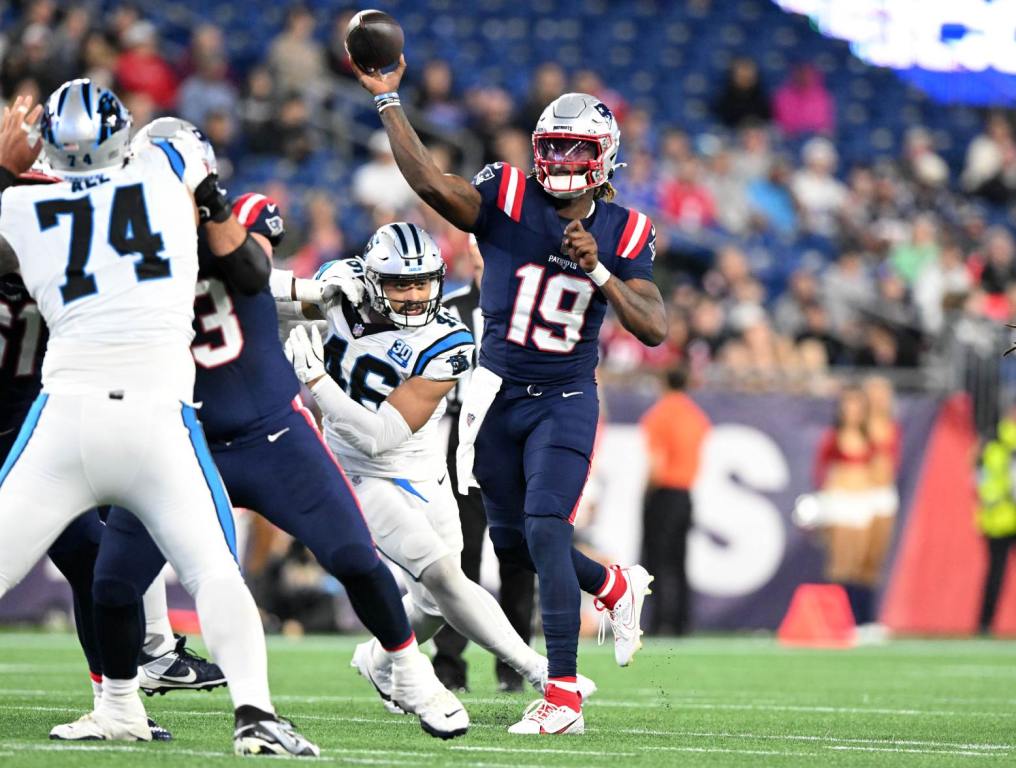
470,418
358,330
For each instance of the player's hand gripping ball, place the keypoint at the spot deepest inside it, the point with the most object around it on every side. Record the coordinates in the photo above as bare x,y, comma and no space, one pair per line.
374,40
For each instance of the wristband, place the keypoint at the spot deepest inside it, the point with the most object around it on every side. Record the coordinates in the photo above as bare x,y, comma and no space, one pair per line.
308,291
281,284
600,274
383,96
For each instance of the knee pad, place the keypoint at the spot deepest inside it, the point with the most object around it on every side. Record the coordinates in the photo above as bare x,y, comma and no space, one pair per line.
114,592
549,537
510,546
349,561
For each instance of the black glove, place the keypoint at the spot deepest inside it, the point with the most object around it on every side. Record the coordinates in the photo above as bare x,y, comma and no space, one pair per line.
213,205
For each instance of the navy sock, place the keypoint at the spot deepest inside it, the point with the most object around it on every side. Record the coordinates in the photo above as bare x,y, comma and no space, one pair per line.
550,544
590,573
378,604
77,566
121,633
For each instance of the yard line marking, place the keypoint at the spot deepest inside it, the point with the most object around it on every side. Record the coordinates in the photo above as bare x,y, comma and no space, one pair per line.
837,739
345,752
915,751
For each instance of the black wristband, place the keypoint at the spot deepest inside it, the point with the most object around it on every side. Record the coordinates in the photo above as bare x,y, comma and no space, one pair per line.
7,179
211,199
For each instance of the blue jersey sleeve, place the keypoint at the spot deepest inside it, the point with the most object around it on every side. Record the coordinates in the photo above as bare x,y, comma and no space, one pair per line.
502,188
636,248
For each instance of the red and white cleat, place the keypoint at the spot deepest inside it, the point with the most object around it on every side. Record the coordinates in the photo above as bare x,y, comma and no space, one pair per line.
626,615
542,717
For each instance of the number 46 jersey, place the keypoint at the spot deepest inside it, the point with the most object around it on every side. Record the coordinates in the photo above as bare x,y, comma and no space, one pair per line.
541,313
369,360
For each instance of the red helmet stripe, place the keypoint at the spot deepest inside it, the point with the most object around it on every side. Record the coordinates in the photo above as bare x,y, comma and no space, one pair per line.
248,207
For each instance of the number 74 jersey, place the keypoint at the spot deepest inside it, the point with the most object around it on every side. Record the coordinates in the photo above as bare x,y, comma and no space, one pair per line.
541,313
369,360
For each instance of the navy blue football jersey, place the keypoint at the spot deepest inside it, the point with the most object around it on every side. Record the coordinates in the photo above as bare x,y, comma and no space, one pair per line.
23,338
541,313
243,378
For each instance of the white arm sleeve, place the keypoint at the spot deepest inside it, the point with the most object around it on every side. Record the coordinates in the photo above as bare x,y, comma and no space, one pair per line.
371,433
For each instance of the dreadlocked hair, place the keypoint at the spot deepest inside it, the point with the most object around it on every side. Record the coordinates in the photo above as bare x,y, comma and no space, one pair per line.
605,192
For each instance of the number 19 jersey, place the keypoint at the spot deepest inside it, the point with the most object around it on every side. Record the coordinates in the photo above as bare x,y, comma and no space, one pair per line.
369,360
541,313
111,260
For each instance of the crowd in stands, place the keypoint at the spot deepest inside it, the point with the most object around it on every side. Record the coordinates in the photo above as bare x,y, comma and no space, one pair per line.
777,262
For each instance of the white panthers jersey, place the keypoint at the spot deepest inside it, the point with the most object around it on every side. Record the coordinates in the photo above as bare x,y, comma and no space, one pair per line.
111,260
370,360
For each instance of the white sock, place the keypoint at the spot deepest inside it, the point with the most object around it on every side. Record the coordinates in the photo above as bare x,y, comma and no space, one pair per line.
158,633
120,698
474,613
231,627
96,691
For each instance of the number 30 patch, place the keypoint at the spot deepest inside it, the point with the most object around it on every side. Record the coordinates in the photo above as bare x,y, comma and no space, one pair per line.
400,352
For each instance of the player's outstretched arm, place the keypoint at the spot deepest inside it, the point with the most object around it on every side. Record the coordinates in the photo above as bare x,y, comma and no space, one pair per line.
453,197
245,262
405,410
637,302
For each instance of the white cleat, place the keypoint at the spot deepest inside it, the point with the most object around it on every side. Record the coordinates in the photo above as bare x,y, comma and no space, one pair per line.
542,717
586,686
98,726
378,675
626,616
416,689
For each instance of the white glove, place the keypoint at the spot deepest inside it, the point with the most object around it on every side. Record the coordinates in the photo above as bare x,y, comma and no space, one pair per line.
306,353
334,287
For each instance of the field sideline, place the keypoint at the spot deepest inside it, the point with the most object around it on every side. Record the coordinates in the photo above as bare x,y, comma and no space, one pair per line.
710,701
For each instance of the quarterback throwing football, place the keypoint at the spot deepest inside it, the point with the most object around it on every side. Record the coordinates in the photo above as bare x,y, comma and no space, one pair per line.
557,251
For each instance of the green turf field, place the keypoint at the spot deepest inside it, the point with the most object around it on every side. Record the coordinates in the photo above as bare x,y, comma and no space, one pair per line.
699,702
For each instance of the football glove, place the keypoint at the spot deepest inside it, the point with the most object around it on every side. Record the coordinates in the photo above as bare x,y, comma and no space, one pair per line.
341,280
306,353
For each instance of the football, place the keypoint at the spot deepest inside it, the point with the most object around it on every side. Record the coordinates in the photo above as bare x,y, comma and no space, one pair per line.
374,40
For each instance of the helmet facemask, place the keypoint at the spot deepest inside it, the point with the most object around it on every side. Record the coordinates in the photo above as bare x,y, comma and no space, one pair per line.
568,164
405,312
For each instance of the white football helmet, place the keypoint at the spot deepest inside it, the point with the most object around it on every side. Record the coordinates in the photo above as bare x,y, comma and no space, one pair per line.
403,252
575,145
84,128
196,151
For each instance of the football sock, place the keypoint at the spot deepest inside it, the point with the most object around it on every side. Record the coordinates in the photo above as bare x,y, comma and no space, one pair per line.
158,633
376,600
550,543
613,587
591,574
474,613
120,697
119,629
231,627
96,681
564,692
77,564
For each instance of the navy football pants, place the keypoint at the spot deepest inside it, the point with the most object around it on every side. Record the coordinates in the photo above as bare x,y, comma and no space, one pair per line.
532,460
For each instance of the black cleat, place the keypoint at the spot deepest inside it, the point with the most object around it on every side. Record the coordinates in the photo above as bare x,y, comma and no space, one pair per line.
259,733
158,732
178,669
